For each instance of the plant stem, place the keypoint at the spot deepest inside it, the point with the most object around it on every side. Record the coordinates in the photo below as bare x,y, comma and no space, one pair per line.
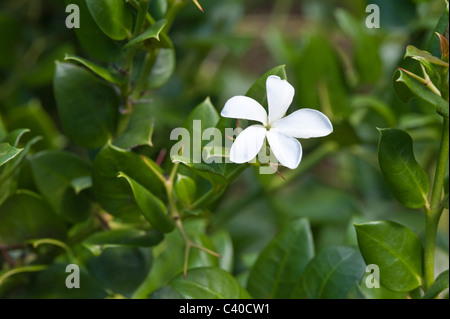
141,84
174,9
177,217
142,13
433,213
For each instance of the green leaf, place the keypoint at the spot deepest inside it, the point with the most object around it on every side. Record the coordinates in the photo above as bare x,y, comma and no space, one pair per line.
207,171
110,76
49,284
169,256
25,216
319,75
140,128
53,174
91,38
14,137
440,284
208,283
331,274
153,209
441,27
81,183
258,90
112,16
356,292
38,122
208,117
10,172
100,241
396,250
120,269
321,205
3,131
18,270
162,69
185,189
423,57
281,263
151,33
8,152
406,179
88,107
115,194
202,117
224,247
41,74
407,89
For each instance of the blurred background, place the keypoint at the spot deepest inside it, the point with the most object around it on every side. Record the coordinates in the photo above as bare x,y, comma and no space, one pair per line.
336,64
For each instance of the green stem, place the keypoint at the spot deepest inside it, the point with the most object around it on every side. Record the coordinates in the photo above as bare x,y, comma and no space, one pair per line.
174,9
141,84
142,13
434,211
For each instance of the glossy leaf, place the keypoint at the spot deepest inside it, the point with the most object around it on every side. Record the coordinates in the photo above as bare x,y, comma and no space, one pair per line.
396,250
112,16
163,68
281,263
8,152
120,269
151,33
53,173
88,107
440,284
91,38
331,274
110,76
405,178
140,128
115,194
25,216
423,56
10,172
208,283
185,189
153,209
407,89
100,241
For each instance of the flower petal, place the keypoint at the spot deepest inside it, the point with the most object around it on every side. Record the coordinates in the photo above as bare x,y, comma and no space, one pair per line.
248,144
305,123
279,97
243,107
286,149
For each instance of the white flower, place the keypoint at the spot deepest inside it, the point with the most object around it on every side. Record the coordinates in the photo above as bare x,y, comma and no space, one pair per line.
281,132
